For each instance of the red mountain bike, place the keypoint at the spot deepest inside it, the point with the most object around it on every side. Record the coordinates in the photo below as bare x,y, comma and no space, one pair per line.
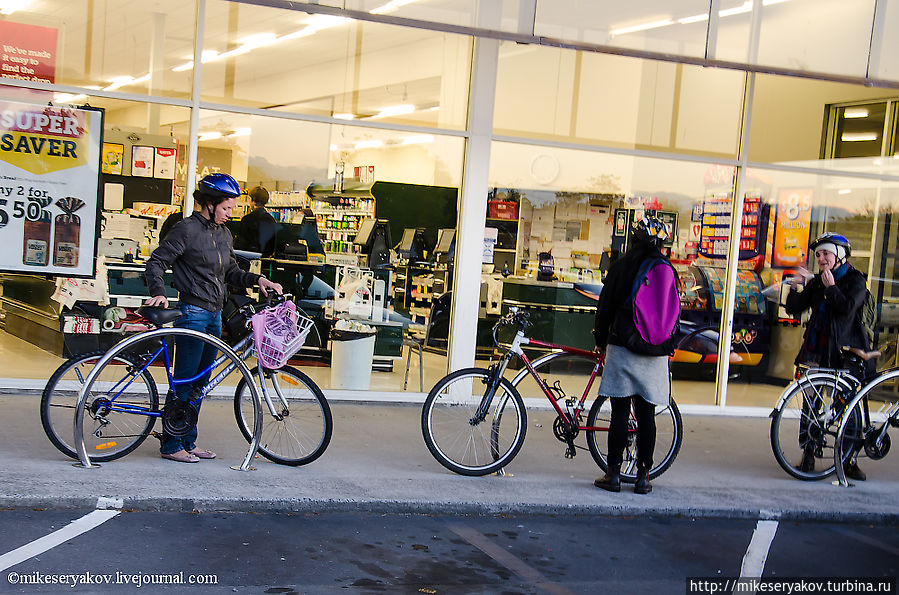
474,420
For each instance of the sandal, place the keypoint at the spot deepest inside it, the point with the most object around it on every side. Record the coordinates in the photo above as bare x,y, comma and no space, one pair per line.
182,456
202,453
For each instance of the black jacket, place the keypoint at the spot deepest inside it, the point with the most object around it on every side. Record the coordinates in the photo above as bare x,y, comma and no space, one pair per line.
845,300
616,289
199,253
256,232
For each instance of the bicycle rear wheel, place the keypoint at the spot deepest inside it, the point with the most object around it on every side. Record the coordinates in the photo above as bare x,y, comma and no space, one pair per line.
109,433
461,442
804,426
669,436
300,430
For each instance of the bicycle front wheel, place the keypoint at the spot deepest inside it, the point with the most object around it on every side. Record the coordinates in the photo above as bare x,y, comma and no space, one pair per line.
669,435
116,418
879,399
804,426
298,429
460,440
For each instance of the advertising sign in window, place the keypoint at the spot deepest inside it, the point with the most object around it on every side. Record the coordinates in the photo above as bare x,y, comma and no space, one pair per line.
791,228
49,188
29,52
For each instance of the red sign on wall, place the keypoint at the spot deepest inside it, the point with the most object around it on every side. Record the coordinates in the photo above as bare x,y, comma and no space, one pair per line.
28,52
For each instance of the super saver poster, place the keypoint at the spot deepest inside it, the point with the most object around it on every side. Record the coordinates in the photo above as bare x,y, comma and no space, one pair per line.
49,187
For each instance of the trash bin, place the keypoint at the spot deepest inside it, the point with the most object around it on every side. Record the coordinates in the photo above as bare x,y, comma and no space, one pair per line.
352,352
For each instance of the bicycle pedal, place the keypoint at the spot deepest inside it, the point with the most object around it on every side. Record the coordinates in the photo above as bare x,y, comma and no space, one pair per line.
570,452
894,421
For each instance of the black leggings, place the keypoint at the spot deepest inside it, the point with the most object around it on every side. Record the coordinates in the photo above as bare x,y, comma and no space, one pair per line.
645,412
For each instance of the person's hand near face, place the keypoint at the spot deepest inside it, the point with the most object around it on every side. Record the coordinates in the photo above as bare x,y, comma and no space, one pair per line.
826,262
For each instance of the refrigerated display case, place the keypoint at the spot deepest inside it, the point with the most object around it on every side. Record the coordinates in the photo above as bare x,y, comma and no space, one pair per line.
702,297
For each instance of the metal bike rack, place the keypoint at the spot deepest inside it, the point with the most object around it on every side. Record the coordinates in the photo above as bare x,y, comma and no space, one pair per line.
121,346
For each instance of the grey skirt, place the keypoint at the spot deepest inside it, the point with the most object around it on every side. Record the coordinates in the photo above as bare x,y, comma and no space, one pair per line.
627,373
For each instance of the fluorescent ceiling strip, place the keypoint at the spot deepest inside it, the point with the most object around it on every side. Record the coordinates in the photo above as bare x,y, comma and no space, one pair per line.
858,112
844,191
394,110
209,135
418,139
11,6
369,144
641,27
391,6
344,116
852,137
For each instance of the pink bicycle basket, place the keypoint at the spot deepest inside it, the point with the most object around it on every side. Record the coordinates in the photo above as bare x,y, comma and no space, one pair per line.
278,333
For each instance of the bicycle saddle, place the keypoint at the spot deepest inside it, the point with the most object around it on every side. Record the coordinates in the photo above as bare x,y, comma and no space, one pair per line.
159,316
865,355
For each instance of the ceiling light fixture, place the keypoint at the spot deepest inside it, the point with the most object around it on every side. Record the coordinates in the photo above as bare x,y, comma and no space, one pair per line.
855,137
68,98
844,191
391,6
368,144
11,6
694,19
394,110
209,135
641,27
857,112
742,9
344,116
418,139
241,132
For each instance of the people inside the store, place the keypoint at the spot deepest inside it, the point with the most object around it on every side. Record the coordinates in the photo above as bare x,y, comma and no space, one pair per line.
198,251
835,297
629,378
256,232
169,223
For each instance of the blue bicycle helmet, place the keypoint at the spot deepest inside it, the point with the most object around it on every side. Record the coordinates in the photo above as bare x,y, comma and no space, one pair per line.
651,230
832,242
215,189
219,185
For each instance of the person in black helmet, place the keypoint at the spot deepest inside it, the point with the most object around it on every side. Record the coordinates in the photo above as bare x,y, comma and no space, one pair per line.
630,378
199,253
835,297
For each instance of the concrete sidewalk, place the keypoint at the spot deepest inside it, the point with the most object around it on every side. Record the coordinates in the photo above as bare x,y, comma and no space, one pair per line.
377,461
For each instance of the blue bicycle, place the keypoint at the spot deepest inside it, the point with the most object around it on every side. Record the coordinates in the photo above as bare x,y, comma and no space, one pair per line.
122,401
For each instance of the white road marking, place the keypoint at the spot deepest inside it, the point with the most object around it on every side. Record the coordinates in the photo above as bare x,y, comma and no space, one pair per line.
70,531
757,552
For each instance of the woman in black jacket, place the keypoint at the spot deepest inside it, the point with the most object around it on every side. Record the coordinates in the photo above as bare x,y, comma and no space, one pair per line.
835,296
198,251
630,378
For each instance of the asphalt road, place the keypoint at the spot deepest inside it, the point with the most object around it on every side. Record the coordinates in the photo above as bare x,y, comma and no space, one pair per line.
391,553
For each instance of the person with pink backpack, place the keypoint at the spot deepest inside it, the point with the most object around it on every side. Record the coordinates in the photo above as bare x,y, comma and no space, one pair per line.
636,327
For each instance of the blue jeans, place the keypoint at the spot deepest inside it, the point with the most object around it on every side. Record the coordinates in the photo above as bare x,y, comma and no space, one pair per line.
191,356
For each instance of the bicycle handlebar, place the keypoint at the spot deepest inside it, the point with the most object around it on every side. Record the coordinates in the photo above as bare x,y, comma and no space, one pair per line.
513,317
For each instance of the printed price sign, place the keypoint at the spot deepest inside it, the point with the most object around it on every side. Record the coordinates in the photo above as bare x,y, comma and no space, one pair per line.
49,185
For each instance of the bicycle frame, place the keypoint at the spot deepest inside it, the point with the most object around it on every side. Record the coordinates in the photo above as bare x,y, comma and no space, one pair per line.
531,369
516,349
245,349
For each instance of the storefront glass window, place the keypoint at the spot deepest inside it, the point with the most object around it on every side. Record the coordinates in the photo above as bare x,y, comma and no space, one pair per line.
787,116
115,46
798,34
555,94
331,66
551,243
800,207
339,183
677,27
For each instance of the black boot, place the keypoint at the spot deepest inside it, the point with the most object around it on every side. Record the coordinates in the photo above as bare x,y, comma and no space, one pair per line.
611,481
807,465
642,486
